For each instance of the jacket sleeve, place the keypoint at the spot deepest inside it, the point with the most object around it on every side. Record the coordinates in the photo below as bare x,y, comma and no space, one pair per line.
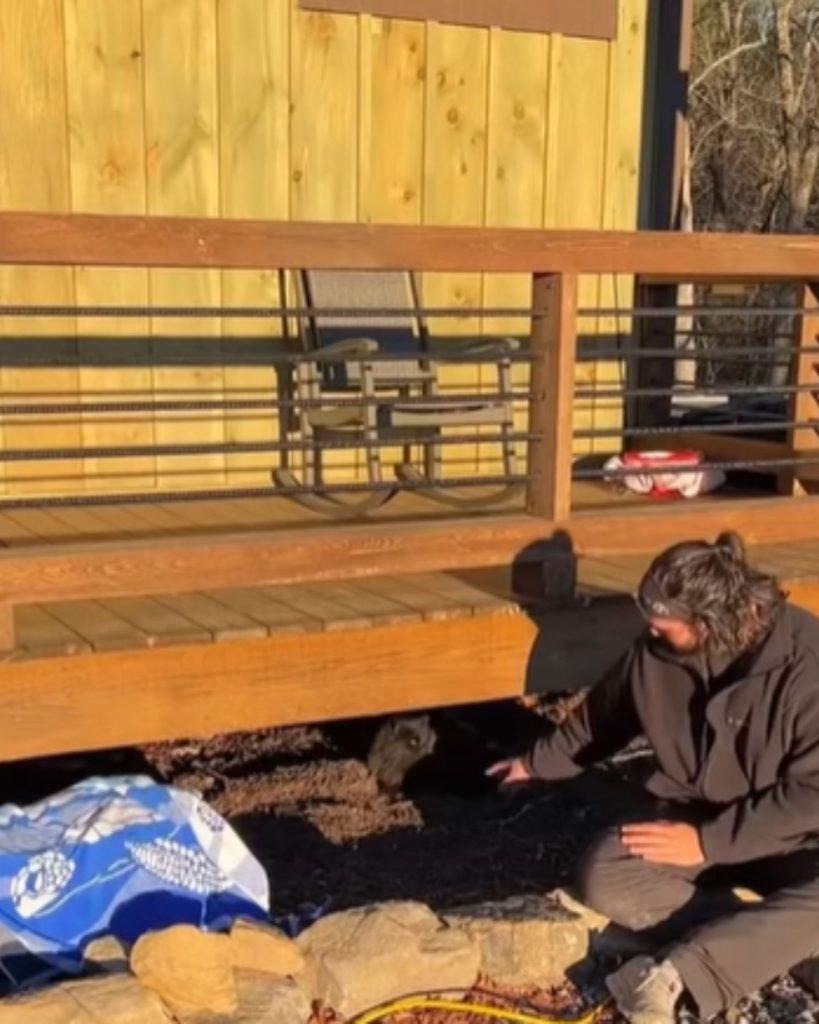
777,819
602,725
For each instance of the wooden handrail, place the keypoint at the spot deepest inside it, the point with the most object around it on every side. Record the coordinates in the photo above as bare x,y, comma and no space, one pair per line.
101,240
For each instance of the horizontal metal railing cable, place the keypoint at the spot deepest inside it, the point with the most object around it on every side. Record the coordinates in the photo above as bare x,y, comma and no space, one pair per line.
692,391
698,428
384,312
225,359
782,355
242,493
763,356
250,447
266,312
250,404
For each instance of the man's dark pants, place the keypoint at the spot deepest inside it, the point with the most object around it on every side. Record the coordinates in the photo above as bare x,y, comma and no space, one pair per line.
722,948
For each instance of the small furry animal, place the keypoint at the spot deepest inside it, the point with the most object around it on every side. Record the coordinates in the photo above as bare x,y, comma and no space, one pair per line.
399,745
449,750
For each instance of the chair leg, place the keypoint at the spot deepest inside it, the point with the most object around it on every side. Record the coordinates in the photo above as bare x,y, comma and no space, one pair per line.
325,503
427,482
310,492
424,485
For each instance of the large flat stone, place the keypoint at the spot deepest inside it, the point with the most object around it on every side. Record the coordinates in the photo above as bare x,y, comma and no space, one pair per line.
188,969
525,940
114,999
361,958
255,946
263,999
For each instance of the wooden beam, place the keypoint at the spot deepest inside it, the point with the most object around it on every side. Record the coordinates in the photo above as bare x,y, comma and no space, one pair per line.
645,372
804,405
171,565
806,595
73,703
670,35
57,705
98,240
643,529
554,347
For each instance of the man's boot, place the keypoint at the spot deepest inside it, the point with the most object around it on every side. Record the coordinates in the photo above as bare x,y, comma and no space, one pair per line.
806,974
646,992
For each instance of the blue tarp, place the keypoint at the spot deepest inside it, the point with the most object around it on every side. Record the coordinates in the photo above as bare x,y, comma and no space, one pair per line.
115,856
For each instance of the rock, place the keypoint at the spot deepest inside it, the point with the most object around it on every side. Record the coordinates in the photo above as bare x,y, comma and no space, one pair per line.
261,947
361,958
265,999
114,999
188,969
106,954
525,940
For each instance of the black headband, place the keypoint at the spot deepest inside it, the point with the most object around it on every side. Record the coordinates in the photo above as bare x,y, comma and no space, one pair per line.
656,604
653,600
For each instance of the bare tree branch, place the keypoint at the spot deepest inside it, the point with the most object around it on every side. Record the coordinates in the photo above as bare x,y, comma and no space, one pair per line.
725,58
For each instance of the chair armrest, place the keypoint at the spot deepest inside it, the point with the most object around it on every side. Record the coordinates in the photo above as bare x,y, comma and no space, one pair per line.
354,348
498,347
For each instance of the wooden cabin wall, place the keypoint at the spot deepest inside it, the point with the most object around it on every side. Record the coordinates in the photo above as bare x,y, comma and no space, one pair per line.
253,108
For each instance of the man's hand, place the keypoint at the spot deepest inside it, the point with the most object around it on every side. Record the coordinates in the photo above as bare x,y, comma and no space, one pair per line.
510,772
664,842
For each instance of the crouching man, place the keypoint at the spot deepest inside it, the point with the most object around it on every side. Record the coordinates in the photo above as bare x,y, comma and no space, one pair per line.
724,684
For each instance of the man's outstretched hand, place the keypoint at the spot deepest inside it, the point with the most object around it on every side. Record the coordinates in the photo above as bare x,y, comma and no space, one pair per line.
664,842
508,773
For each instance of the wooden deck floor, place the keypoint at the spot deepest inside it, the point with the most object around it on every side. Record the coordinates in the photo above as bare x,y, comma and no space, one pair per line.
30,527
212,616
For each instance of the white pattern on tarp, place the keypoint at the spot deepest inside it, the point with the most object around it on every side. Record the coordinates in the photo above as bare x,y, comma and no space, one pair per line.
37,885
173,863
101,823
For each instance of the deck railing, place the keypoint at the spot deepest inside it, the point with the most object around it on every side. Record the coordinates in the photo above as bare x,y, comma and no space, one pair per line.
553,323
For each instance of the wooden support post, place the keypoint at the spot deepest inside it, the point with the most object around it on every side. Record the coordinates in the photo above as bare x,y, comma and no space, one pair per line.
804,405
646,372
554,345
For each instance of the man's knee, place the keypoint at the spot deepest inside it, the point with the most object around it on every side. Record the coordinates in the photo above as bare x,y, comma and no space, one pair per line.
599,874
609,880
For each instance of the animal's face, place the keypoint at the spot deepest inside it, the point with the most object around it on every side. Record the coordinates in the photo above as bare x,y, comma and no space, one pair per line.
416,735
398,745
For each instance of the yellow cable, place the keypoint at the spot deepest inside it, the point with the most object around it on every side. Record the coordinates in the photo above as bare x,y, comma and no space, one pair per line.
476,1009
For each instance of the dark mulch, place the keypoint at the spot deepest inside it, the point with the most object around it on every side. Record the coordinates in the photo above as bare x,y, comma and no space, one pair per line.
316,819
